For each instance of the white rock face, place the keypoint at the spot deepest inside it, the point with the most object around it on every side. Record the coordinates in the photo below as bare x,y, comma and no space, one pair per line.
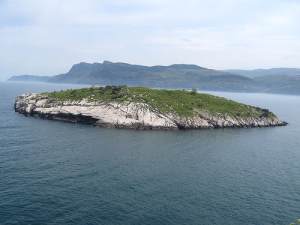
128,115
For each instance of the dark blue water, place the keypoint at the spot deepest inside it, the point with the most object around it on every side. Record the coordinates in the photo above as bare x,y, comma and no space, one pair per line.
60,173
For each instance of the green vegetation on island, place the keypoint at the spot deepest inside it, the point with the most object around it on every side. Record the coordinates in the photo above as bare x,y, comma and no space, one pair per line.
181,102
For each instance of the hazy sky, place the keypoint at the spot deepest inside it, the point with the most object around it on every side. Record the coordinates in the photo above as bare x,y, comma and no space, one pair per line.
48,36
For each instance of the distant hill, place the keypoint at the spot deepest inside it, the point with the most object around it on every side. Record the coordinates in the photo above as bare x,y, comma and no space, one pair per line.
282,84
267,72
174,76
278,80
29,78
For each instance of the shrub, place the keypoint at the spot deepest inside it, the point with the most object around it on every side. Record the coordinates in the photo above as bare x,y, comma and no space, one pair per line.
194,91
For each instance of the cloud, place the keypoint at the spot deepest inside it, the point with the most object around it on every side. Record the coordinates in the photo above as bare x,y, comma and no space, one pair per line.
46,37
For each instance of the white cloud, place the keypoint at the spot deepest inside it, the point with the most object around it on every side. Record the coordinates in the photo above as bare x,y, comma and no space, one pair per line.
46,37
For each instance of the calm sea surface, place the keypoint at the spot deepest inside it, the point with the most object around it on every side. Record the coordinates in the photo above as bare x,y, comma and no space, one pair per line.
60,173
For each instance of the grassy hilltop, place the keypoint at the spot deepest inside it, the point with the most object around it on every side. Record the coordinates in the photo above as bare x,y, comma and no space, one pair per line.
181,102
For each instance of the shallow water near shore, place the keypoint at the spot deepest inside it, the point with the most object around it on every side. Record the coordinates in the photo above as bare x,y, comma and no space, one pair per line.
62,173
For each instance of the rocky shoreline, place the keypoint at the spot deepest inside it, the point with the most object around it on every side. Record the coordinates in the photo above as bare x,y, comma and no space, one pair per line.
130,115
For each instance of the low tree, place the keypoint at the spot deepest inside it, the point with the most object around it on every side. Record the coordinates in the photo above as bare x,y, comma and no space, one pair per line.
194,91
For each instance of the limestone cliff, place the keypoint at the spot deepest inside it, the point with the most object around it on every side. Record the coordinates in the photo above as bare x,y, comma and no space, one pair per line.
136,115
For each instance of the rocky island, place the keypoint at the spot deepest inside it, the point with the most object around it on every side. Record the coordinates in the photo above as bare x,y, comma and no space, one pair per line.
143,108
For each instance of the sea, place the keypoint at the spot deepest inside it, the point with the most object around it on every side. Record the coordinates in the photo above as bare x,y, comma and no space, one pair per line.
62,173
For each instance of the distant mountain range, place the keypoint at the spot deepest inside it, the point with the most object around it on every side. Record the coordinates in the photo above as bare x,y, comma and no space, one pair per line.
267,72
281,80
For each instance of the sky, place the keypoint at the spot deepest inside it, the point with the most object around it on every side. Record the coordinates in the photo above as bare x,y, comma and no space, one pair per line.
46,37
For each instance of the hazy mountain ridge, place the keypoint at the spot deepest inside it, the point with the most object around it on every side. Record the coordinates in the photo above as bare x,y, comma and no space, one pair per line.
278,80
30,78
267,72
